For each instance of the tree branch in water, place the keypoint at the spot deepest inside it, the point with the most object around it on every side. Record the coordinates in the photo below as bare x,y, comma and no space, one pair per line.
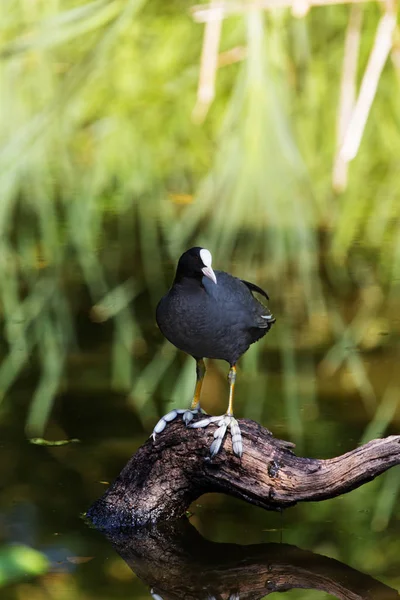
164,477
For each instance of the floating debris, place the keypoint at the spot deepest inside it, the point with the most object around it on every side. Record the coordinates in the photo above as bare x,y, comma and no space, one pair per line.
42,442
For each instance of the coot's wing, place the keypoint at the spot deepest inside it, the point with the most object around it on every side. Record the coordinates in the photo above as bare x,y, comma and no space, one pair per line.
254,288
235,302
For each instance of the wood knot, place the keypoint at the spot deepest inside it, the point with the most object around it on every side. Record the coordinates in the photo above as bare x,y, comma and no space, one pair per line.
273,468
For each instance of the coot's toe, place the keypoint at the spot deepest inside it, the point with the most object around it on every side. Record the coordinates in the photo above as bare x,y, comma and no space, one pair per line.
224,423
187,417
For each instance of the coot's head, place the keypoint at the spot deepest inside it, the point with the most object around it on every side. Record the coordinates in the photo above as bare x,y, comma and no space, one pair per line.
195,263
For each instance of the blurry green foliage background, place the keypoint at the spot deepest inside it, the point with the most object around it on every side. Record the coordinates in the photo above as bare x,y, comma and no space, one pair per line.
106,176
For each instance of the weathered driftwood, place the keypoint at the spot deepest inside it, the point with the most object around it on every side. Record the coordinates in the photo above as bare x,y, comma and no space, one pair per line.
163,477
176,562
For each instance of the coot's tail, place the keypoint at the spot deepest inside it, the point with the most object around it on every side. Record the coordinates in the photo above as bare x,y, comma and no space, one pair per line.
268,321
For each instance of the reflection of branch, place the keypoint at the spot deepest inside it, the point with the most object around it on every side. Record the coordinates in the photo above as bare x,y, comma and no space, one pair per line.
163,477
177,562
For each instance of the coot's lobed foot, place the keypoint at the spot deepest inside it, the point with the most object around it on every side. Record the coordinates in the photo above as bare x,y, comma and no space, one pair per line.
224,423
187,416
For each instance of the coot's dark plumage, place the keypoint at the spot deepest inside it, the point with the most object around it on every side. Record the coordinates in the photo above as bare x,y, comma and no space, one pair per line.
211,315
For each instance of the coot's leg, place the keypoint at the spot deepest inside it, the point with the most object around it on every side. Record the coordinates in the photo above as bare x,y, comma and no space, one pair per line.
195,407
187,414
232,381
224,422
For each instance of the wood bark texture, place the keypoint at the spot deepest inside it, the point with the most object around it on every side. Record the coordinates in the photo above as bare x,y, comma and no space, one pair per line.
165,476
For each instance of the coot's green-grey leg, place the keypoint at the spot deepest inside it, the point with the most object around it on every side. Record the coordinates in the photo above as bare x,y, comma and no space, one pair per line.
187,414
224,422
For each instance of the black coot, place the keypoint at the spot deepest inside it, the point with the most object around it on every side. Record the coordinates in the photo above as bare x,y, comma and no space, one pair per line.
211,314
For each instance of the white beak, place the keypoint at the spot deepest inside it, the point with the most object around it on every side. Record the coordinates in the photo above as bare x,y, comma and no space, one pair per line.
208,272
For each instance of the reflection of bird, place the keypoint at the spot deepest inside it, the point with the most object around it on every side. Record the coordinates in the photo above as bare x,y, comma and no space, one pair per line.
211,315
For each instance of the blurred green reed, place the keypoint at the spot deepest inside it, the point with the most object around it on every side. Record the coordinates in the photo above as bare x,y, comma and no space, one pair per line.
100,159
17,562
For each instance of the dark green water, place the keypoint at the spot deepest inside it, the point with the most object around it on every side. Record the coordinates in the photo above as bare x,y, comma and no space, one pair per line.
44,490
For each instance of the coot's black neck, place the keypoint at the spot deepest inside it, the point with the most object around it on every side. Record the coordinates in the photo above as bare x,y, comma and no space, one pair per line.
189,280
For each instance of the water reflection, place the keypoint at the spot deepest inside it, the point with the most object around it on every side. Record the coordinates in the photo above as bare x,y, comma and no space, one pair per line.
176,562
